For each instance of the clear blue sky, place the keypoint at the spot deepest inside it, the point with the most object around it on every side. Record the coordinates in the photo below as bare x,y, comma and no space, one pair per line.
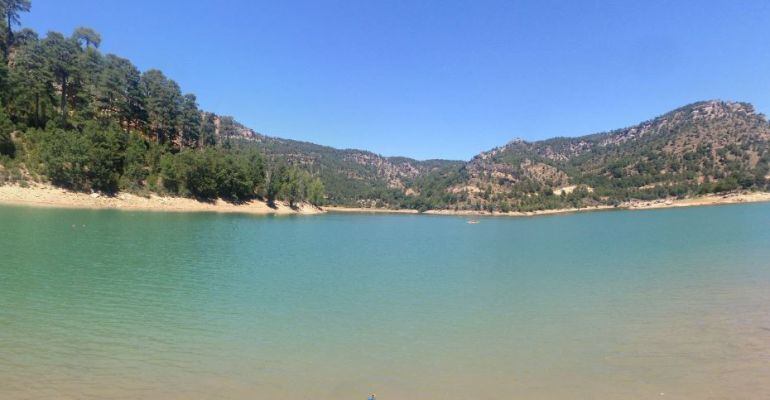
436,79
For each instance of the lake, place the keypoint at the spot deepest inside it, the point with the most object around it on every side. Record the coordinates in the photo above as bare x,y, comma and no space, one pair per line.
670,304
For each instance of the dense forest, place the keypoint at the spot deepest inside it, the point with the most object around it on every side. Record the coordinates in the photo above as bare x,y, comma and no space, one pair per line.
87,121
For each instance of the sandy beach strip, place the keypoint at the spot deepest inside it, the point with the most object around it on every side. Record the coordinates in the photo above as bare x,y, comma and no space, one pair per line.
706,200
363,210
41,195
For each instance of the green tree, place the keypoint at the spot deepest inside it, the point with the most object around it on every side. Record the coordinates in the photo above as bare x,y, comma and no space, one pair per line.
292,186
234,180
119,95
7,146
315,192
11,10
275,182
189,173
90,65
208,130
189,121
31,85
255,166
135,169
90,159
62,58
86,37
24,36
163,101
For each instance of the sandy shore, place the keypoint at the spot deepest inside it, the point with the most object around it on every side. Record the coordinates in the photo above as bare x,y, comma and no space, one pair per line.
469,213
40,195
369,210
707,200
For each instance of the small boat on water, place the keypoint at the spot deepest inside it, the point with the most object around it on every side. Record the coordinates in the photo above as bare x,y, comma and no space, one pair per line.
473,221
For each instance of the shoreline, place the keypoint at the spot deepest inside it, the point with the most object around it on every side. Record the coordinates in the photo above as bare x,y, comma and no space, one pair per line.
698,201
47,196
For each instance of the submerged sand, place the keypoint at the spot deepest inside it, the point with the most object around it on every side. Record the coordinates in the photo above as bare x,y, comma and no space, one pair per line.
42,195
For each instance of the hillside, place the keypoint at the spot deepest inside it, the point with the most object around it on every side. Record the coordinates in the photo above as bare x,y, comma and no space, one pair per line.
705,147
76,118
350,176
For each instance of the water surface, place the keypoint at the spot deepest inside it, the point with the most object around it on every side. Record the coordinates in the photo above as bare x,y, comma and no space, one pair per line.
128,305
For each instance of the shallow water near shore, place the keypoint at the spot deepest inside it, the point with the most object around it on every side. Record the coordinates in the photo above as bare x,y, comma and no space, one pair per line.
671,303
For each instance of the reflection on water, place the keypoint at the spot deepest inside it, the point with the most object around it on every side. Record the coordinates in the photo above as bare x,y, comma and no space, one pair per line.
104,304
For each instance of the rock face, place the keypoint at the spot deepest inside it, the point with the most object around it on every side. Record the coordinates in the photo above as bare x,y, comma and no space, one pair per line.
394,172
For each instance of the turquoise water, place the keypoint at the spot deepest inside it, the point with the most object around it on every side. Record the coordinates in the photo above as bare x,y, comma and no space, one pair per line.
129,305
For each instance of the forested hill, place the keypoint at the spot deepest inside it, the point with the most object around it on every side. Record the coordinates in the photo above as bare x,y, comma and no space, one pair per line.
93,122
77,118
350,176
705,147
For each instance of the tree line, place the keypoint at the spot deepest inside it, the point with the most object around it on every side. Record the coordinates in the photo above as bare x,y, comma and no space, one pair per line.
85,120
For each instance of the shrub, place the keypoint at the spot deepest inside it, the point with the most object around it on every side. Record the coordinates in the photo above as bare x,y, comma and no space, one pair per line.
88,160
188,174
7,148
233,178
135,169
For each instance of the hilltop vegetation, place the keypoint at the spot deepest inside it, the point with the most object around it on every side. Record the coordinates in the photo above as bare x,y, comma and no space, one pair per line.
356,177
88,121
706,147
702,148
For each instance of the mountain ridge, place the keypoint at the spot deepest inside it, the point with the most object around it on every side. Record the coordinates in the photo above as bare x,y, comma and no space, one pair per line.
685,150
76,118
250,133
